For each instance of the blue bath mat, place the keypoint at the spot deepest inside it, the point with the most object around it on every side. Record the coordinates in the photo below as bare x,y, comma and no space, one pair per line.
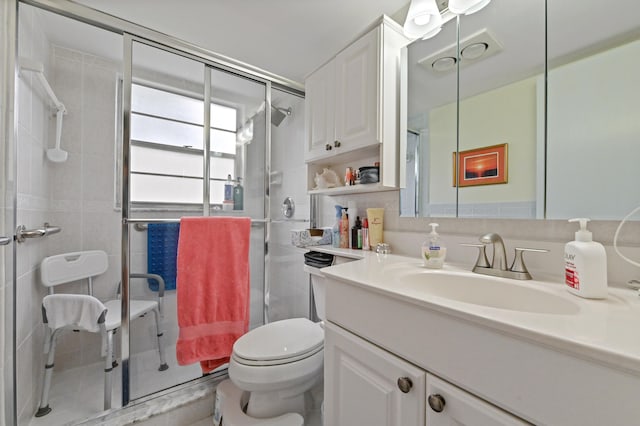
162,252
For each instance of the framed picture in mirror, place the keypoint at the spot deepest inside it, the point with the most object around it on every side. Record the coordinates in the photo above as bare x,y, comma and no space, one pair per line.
481,166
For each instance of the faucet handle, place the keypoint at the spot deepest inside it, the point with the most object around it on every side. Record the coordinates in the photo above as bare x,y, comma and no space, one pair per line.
482,261
518,261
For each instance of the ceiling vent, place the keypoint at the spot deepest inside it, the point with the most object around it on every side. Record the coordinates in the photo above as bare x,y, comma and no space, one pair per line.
474,48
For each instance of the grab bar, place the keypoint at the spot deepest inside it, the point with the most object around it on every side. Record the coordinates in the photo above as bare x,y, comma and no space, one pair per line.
22,233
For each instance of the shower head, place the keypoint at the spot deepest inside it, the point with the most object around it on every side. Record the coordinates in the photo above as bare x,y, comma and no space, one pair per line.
278,114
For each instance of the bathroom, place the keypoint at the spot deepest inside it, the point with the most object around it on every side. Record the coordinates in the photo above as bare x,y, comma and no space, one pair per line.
78,195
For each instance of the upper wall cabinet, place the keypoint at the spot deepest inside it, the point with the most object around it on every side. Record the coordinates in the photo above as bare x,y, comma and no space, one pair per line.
352,107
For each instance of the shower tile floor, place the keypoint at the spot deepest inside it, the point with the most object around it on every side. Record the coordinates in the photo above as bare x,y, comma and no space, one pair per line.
78,393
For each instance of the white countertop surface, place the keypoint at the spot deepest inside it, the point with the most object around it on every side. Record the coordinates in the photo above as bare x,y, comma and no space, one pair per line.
606,331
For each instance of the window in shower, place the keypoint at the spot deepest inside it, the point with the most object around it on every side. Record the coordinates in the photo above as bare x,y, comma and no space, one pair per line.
167,147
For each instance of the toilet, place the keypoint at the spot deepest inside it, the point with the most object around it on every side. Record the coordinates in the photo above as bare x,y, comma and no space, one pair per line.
273,368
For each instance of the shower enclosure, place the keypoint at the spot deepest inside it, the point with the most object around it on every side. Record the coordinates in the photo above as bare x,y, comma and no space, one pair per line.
153,128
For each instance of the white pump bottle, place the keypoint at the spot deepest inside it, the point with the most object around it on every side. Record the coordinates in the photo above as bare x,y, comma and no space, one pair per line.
433,253
585,264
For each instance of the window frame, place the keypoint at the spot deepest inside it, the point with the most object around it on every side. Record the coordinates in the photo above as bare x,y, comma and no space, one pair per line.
163,205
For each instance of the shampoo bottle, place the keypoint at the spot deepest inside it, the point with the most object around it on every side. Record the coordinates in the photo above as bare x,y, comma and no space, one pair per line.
585,264
433,253
335,231
228,189
238,196
356,234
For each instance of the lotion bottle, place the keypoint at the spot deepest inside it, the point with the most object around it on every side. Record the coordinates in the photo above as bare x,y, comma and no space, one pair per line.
365,234
344,230
433,253
585,264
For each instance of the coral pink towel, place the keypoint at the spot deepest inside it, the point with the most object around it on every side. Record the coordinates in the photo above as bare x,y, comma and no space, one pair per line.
212,287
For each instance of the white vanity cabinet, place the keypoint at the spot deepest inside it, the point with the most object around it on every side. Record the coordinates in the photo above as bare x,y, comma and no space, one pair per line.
352,107
449,405
487,371
366,385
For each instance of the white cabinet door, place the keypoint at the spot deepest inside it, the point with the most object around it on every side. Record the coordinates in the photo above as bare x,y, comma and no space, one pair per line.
357,92
461,408
362,384
319,112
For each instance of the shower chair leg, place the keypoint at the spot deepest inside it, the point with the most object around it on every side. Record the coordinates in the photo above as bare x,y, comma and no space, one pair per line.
159,333
108,368
44,408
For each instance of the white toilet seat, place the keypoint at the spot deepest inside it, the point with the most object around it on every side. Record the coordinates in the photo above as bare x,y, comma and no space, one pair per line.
279,342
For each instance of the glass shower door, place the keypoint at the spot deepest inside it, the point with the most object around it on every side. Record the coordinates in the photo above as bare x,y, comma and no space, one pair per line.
188,120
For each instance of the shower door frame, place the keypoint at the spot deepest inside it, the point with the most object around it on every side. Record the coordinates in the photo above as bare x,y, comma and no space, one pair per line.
130,32
127,81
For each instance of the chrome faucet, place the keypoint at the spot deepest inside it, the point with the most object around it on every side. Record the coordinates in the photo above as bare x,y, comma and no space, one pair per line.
499,252
498,265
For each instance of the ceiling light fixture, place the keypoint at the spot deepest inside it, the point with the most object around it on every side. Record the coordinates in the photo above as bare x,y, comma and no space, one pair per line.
474,50
466,7
423,19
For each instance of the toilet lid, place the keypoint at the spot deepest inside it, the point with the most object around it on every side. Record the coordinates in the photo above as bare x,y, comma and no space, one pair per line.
280,340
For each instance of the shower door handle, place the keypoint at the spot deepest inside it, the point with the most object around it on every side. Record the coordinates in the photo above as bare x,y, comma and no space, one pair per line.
5,240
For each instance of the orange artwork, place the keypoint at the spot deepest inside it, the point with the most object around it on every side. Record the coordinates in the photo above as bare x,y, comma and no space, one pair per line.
481,166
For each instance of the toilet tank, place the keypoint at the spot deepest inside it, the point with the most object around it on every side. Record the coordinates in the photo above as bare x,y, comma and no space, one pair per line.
318,284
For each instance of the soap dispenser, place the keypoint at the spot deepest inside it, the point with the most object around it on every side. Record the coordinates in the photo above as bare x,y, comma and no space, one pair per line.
433,253
585,264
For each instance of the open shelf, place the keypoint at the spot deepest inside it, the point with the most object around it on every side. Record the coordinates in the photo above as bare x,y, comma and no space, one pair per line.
354,189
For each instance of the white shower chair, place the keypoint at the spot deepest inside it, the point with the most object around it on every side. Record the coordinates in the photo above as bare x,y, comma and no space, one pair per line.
84,312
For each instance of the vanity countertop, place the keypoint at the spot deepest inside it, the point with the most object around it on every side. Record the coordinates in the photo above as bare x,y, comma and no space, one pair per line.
606,331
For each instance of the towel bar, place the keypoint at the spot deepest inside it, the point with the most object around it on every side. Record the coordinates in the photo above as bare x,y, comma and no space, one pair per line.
141,224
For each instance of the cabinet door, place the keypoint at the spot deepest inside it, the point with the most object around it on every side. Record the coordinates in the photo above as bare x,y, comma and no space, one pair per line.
357,92
319,113
461,408
361,384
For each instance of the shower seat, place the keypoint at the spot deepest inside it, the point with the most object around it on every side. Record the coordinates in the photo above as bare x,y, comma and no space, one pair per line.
84,312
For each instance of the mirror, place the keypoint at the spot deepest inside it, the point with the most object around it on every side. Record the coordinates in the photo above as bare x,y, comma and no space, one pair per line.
430,95
591,104
593,109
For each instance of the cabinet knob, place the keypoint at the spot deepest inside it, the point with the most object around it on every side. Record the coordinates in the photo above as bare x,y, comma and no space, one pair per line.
337,144
405,384
328,147
436,402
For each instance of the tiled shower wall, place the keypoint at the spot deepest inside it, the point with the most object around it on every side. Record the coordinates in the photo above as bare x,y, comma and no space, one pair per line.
33,175
289,284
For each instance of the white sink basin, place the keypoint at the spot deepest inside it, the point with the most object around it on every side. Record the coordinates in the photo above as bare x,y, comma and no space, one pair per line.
486,291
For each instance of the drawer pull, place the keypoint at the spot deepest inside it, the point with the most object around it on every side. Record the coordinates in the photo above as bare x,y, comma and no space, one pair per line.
436,402
328,147
405,384
337,144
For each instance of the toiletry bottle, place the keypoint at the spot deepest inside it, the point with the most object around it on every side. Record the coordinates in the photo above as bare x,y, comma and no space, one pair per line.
344,230
355,231
352,213
335,231
238,196
585,264
433,253
365,235
228,189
